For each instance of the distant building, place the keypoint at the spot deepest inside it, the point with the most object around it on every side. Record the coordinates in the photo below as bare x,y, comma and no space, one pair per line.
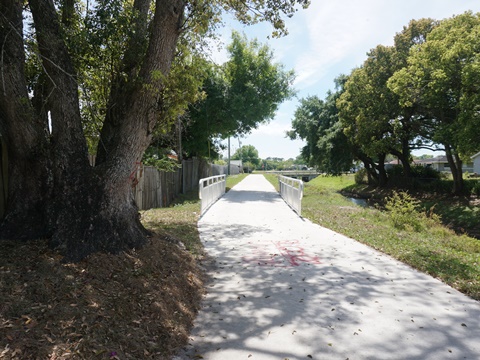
476,163
236,167
439,163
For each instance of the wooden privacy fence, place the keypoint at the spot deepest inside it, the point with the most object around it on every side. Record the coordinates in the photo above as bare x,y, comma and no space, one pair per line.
156,189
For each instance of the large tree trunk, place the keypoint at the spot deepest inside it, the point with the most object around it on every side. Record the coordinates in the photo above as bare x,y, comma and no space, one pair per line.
24,133
369,166
455,164
92,209
404,158
382,174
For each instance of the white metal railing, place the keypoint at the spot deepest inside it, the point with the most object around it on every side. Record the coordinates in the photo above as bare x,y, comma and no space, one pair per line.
210,190
291,190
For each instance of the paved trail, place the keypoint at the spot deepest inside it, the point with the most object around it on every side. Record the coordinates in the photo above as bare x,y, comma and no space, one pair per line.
284,288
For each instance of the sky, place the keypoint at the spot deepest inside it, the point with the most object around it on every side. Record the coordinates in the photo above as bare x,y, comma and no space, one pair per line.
330,38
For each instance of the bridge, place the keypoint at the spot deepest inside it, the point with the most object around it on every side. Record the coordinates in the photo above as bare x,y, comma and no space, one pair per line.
304,175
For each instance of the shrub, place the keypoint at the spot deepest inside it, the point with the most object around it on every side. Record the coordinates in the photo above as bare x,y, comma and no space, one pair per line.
395,171
473,187
425,172
361,176
418,172
403,211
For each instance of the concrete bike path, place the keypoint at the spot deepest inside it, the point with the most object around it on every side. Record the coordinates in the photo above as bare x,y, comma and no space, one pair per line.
284,288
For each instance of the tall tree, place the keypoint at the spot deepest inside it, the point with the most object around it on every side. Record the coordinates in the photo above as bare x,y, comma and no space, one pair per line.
53,190
239,96
376,121
441,80
356,106
316,121
248,154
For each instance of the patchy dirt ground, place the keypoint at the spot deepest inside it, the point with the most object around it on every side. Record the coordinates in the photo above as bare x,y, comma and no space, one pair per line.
136,305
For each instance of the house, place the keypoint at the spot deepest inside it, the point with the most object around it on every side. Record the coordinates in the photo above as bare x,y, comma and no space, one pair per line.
476,163
236,167
440,163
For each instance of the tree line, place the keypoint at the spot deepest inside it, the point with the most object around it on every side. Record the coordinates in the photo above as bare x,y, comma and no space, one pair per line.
423,92
248,154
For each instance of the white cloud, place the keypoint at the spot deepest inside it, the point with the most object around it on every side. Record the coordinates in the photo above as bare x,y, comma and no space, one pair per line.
335,31
330,38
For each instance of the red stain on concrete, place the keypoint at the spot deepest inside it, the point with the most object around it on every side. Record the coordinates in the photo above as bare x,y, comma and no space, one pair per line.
290,253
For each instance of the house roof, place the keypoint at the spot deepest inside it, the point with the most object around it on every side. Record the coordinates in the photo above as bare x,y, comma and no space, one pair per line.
435,160
441,159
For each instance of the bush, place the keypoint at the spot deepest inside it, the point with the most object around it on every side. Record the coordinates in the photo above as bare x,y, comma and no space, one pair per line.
395,171
425,172
473,186
403,211
423,179
418,172
361,176
437,186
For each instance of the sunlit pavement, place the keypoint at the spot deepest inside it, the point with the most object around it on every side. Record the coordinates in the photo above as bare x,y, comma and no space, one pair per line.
284,288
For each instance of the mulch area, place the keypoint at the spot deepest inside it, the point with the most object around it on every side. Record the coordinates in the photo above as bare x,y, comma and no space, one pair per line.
135,305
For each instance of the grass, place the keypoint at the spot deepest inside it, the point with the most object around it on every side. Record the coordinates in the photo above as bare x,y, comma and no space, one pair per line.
179,222
233,180
273,179
459,213
433,248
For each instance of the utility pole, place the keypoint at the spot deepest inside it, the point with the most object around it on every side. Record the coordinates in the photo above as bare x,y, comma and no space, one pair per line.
228,165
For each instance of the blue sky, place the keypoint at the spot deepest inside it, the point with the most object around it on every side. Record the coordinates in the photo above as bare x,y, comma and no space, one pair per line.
330,38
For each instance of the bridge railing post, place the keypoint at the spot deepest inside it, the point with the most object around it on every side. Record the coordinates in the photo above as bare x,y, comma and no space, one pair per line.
291,190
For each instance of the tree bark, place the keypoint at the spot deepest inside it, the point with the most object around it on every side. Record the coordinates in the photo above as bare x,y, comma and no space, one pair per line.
108,219
91,209
25,137
382,174
405,160
455,164
369,166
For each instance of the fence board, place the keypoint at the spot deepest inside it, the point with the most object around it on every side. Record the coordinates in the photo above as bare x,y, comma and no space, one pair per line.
156,189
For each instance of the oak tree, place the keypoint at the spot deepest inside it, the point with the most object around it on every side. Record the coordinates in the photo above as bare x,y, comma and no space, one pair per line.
441,80
53,190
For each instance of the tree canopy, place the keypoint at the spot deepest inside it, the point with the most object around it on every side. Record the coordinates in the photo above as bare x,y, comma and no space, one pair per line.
316,121
441,80
422,92
239,95
248,154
